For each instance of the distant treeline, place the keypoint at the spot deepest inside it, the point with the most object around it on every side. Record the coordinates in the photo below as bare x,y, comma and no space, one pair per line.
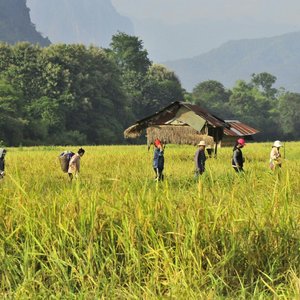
275,112
72,94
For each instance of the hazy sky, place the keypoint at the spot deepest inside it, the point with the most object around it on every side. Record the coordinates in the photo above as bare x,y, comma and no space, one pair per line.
182,11
173,29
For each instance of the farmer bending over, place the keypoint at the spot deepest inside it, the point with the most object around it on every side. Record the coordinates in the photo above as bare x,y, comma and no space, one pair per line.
74,164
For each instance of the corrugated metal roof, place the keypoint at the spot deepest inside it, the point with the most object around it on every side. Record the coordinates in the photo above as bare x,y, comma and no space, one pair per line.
238,129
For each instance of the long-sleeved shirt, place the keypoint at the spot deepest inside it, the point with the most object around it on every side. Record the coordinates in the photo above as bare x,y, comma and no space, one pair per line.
2,164
275,154
158,159
2,159
237,158
74,164
200,159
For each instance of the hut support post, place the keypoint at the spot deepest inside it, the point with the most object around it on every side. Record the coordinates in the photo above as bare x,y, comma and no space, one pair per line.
216,149
216,143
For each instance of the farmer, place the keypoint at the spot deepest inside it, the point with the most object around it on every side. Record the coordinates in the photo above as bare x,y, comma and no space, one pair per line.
237,156
2,162
74,164
158,160
275,156
200,159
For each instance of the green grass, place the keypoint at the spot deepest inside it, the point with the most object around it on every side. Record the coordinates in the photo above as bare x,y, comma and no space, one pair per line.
117,234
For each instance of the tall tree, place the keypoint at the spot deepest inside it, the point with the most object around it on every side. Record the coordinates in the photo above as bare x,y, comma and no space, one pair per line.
161,88
250,105
129,53
264,82
133,62
213,96
11,122
87,87
289,115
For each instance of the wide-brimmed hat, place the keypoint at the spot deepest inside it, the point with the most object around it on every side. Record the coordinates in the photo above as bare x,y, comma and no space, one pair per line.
277,144
201,143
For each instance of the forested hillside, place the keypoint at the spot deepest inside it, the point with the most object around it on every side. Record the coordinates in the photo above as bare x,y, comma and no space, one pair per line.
15,23
234,60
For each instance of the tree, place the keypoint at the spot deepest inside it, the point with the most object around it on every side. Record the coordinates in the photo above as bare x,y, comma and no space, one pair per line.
148,87
251,106
213,96
5,56
158,88
264,82
65,92
162,87
242,101
289,114
88,90
11,123
129,54
24,72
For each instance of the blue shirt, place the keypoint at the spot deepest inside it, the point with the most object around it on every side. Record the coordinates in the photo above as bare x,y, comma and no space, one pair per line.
158,159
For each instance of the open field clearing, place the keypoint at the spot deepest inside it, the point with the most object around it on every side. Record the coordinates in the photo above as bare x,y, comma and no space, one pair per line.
115,233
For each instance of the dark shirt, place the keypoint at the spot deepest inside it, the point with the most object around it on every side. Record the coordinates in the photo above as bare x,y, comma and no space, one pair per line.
200,159
2,164
2,161
237,158
158,159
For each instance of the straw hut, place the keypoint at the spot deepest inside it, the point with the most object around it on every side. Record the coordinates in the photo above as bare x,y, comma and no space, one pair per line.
180,123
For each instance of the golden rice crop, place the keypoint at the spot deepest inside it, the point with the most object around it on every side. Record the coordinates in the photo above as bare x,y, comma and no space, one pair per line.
115,233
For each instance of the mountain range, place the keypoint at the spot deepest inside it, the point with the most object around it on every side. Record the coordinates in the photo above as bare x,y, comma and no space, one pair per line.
279,55
77,21
95,21
16,25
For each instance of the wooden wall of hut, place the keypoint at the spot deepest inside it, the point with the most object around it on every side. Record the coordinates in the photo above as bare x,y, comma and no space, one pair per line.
177,134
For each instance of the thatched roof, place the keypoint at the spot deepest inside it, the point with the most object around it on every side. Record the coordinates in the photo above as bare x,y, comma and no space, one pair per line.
177,113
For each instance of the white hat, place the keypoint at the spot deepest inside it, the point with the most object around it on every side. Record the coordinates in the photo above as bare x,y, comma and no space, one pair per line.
202,143
277,144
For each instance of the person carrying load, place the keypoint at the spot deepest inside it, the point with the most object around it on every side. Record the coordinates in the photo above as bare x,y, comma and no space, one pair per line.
74,164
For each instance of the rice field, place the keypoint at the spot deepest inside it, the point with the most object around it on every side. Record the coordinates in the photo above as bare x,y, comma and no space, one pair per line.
115,233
